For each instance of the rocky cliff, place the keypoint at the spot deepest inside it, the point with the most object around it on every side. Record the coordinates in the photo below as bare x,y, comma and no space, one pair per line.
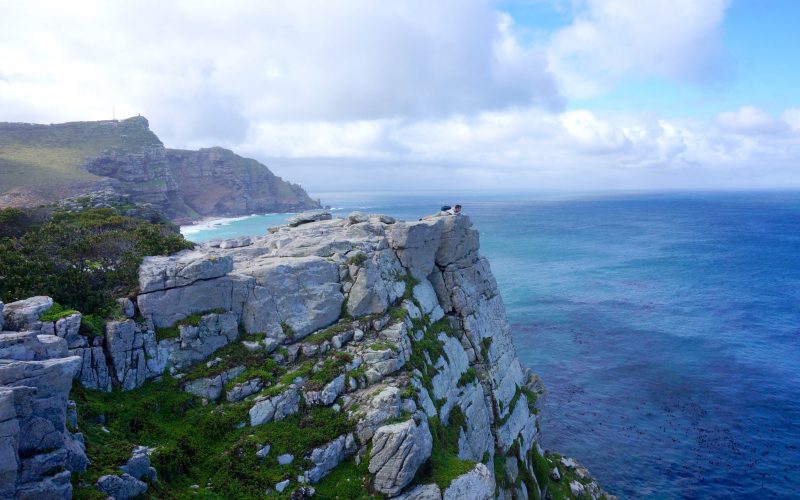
342,358
44,163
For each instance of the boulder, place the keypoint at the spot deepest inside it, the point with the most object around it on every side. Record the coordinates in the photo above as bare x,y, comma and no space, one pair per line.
68,328
275,408
477,484
378,283
397,452
139,466
326,457
307,217
24,314
328,394
422,492
416,244
123,487
211,387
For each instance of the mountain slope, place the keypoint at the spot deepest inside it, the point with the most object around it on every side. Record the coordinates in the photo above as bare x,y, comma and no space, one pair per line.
44,163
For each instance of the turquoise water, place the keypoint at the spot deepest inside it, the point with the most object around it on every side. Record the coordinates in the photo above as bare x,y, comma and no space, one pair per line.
665,327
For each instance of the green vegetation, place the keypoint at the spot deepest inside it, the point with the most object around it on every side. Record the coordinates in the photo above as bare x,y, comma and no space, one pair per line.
430,344
468,377
287,330
348,481
358,259
82,260
511,406
383,345
50,155
411,282
196,444
56,312
330,369
444,464
485,344
324,335
397,314
256,363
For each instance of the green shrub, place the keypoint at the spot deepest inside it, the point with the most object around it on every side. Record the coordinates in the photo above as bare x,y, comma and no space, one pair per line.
82,260
56,312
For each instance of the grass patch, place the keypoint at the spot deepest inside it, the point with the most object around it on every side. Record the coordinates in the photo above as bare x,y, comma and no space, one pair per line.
468,377
327,334
358,259
485,344
444,464
287,330
347,481
56,312
397,314
511,406
383,345
330,369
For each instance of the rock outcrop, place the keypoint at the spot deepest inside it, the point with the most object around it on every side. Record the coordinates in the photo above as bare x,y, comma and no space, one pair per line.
126,158
398,326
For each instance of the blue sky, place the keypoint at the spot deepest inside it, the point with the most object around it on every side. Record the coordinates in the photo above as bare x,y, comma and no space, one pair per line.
473,94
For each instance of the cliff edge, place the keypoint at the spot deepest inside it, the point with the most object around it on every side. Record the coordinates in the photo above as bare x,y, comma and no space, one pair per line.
40,164
342,358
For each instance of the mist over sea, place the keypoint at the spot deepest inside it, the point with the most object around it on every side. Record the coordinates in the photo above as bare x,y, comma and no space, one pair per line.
666,328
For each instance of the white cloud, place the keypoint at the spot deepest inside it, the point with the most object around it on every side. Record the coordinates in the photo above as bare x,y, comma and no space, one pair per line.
204,71
613,39
751,120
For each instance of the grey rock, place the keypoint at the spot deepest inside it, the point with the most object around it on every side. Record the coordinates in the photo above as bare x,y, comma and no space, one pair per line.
307,217
275,408
123,487
30,346
263,451
76,460
576,488
24,314
554,474
477,484
235,243
357,217
416,244
162,273
397,452
428,301
68,328
2,320
378,283
139,466
211,387
326,457
93,373
282,485
423,492
285,459
270,345
328,394
127,307
247,388
125,344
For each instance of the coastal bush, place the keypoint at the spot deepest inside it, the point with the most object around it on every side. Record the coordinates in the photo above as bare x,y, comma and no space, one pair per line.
56,312
83,260
444,464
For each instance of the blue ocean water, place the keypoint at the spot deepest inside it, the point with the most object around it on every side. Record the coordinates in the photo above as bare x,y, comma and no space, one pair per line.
666,328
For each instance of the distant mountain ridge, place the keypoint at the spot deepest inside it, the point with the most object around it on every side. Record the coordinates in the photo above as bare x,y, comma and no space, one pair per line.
40,164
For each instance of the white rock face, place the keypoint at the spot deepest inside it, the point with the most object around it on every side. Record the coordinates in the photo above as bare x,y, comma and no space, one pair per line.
397,452
477,484
162,273
422,492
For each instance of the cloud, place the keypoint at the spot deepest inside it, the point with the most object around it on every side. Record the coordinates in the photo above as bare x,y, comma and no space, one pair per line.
610,40
530,149
183,64
751,120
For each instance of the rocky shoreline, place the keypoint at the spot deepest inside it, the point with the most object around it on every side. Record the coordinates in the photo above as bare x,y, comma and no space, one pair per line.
394,329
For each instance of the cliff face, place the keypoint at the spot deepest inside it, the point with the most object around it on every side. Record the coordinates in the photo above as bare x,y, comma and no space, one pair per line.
381,347
45,163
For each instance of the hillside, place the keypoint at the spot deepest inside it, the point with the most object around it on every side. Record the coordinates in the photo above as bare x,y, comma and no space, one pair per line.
40,164
344,358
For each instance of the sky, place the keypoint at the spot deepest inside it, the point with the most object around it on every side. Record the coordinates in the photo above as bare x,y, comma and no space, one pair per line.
352,95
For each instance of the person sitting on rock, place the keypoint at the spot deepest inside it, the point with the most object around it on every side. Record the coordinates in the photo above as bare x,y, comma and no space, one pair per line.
445,210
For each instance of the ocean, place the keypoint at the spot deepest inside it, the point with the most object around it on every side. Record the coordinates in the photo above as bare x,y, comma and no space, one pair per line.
666,328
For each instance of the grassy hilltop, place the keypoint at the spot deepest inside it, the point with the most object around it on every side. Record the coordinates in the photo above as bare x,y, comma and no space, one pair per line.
34,156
